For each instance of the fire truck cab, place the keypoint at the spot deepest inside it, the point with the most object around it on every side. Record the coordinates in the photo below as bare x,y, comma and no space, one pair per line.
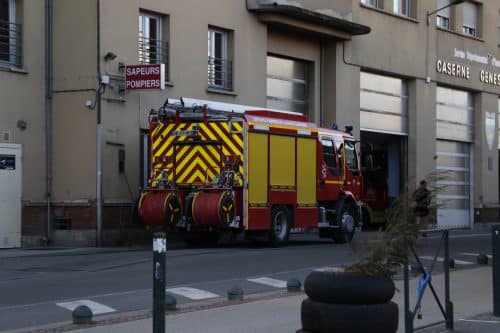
217,167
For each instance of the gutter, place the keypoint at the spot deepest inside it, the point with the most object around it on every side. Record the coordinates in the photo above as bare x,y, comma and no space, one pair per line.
48,112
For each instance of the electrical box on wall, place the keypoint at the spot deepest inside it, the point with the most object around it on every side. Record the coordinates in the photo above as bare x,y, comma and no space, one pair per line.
121,160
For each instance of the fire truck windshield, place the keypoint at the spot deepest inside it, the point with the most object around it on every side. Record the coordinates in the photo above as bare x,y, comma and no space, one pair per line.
351,157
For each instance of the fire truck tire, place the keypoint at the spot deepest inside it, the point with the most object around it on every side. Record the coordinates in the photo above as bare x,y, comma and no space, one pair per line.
281,223
346,219
345,288
347,318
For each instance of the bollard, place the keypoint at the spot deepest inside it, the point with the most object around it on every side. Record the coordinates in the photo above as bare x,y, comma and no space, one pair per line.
235,294
159,255
293,285
495,262
82,315
482,259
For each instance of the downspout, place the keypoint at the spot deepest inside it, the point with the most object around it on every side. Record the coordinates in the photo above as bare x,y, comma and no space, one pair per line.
48,112
99,136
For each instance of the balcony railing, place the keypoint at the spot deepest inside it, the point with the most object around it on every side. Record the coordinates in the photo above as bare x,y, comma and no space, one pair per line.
153,51
220,73
10,44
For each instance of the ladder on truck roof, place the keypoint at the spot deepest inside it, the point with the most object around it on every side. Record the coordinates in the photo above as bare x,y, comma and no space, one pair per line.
217,107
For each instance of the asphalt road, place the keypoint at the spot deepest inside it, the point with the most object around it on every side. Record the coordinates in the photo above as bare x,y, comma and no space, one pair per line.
40,287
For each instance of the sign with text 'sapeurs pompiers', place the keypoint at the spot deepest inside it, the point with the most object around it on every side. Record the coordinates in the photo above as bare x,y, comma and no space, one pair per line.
145,77
462,71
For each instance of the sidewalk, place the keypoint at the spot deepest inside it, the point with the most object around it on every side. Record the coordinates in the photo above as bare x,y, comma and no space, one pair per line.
471,294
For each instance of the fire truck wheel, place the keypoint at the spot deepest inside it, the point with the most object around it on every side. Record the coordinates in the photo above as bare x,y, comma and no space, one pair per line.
281,222
348,288
324,317
346,220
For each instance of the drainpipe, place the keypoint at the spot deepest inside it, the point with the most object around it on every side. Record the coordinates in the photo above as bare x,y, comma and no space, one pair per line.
99,136
48,112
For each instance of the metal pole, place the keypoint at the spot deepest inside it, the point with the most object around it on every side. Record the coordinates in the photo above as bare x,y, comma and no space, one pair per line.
495,262
407,313
159,263
99,136
448,303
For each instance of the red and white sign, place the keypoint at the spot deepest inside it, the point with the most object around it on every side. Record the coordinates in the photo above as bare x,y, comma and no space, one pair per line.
145,77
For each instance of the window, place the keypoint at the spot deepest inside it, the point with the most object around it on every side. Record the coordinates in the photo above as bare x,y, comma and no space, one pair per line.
351,157
402,7
371,3
443,16
10,35
469,19
153,49
219,63
329,156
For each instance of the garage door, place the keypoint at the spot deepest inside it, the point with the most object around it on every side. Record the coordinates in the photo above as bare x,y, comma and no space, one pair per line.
454,132
384,104
454,200
287,84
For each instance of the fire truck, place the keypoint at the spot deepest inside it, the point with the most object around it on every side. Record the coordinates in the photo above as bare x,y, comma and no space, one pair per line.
224,168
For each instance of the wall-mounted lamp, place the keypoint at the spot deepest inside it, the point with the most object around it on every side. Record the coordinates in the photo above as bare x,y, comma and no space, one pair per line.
22,124
109,56
452,3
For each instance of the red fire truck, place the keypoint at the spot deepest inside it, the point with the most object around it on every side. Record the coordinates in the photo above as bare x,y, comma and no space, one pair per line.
217,167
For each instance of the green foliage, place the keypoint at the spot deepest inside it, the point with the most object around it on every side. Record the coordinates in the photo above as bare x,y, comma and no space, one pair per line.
390,249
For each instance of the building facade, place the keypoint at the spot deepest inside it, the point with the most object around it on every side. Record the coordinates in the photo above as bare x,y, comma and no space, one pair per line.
420,86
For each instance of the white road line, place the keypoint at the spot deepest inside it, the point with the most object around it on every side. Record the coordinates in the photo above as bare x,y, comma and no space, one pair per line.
481,321
192,293
97,308
329,269
474,254
269,282
460,262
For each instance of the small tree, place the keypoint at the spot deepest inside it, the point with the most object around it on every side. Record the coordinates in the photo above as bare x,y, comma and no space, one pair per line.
401,233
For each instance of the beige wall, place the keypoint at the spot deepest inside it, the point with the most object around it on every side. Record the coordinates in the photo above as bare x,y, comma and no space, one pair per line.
22,97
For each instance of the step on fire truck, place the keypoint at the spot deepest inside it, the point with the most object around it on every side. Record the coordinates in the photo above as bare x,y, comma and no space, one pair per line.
217,167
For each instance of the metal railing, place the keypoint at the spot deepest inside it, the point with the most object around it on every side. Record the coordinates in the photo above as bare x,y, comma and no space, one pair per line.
153,51
10,44
220,73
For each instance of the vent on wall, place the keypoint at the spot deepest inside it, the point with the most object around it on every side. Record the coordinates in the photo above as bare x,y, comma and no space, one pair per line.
6,136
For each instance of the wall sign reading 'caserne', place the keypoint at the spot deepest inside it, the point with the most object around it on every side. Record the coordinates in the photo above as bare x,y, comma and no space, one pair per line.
453,69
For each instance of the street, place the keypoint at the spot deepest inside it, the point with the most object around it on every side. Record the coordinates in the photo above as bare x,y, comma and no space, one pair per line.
41,287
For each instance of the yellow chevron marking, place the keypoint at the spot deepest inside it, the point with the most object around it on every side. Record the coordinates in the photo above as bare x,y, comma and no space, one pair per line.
227,142
167,143
235,137
197,174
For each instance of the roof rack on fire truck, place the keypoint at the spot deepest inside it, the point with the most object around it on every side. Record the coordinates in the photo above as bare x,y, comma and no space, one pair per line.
191,108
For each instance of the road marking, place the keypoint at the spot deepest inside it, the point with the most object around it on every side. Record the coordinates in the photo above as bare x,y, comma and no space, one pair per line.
192,293
481,321
269,282
460,262
97,308
330,269
475,254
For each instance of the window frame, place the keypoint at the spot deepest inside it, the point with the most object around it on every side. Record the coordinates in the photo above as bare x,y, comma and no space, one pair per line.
12,47
145,33
371,3
402,7
468,29
225,77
